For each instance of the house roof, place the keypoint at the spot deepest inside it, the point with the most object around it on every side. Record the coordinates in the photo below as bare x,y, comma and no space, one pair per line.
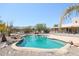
70,25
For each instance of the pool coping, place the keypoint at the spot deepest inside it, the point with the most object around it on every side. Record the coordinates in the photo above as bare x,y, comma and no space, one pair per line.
59,51
55,50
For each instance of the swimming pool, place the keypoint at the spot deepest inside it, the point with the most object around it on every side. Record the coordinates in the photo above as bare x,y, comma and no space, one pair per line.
40,41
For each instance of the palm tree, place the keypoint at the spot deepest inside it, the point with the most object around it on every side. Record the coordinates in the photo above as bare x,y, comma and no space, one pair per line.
68,11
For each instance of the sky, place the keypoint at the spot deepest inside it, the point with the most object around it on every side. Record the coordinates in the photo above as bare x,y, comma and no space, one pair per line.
29,14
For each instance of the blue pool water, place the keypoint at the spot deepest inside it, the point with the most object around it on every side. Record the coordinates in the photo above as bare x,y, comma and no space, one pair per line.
39,41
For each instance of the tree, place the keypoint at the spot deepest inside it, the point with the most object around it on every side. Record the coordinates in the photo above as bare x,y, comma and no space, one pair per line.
28,29
3,30
14,30
10,28
68,11
3,26
42,27
55,25
47,30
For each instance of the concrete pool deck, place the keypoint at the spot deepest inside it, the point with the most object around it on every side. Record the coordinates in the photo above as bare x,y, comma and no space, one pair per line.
75,40
9,51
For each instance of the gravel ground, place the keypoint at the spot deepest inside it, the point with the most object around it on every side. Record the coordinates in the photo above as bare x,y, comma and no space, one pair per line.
8,51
